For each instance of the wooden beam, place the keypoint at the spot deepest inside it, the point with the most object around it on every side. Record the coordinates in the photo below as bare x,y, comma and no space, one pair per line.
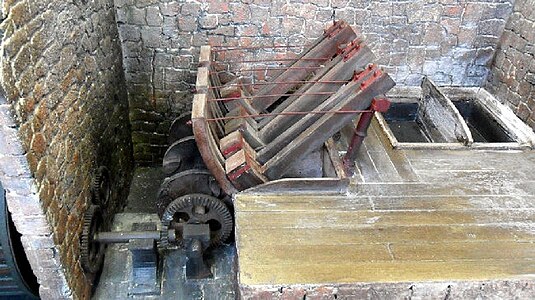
326,48
315,135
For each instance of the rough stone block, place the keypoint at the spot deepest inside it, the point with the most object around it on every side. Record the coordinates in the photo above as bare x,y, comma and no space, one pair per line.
208,22
135,16
187,23
154,18
151,37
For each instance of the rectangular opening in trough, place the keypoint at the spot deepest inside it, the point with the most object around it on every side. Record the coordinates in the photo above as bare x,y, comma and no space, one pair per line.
483,126
472,118
405,124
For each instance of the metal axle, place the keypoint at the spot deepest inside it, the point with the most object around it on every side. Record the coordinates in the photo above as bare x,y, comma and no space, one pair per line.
126,236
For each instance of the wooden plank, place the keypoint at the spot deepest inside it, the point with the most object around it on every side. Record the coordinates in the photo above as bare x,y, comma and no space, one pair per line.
440,117
357,219
301,186
453,202
381,160
366,166
448,251
302,89
252,237
336,161
242,169
301,123
451,164
253,273
202,81
205,55
472,175
326,254
398,158
296,72
299,203
507,118
342,71
209,150
443,189
271,203
315,135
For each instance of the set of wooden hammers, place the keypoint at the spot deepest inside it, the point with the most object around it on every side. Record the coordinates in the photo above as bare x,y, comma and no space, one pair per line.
248,137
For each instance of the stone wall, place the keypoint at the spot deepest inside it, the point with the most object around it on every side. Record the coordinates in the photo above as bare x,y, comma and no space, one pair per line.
512,78
452,41
63,79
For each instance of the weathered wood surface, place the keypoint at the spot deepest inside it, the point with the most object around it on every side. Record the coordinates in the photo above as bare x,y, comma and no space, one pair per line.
343,71
285,135
440,216
326,48
208,147
441,118
326,126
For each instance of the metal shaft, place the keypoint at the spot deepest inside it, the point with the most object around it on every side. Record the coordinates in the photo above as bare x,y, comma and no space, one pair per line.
125,236
270,69
234,48
227,62
280,82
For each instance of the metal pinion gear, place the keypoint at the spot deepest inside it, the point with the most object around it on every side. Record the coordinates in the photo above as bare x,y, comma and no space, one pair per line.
163,242
101,187
199,209
92,252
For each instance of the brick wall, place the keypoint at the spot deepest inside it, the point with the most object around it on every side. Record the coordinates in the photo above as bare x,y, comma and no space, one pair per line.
452,41
513,71
66,113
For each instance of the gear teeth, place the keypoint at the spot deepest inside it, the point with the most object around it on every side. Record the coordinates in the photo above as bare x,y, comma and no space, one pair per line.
163,242
91,262
213,204
101,197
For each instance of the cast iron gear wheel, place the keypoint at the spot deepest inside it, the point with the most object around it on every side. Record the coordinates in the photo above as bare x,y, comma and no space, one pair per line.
101,187
92,252
194,181
199,209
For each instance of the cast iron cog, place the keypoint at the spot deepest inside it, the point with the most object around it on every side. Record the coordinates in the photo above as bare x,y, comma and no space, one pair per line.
101,187
92,252
199,209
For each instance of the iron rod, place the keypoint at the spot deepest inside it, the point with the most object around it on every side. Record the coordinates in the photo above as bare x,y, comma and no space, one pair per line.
125,236
227,99
267,69
233,48
271,60
287,113
281,82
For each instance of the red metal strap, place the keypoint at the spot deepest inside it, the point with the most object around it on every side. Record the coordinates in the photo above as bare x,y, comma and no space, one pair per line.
334,29
358,76
351,49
